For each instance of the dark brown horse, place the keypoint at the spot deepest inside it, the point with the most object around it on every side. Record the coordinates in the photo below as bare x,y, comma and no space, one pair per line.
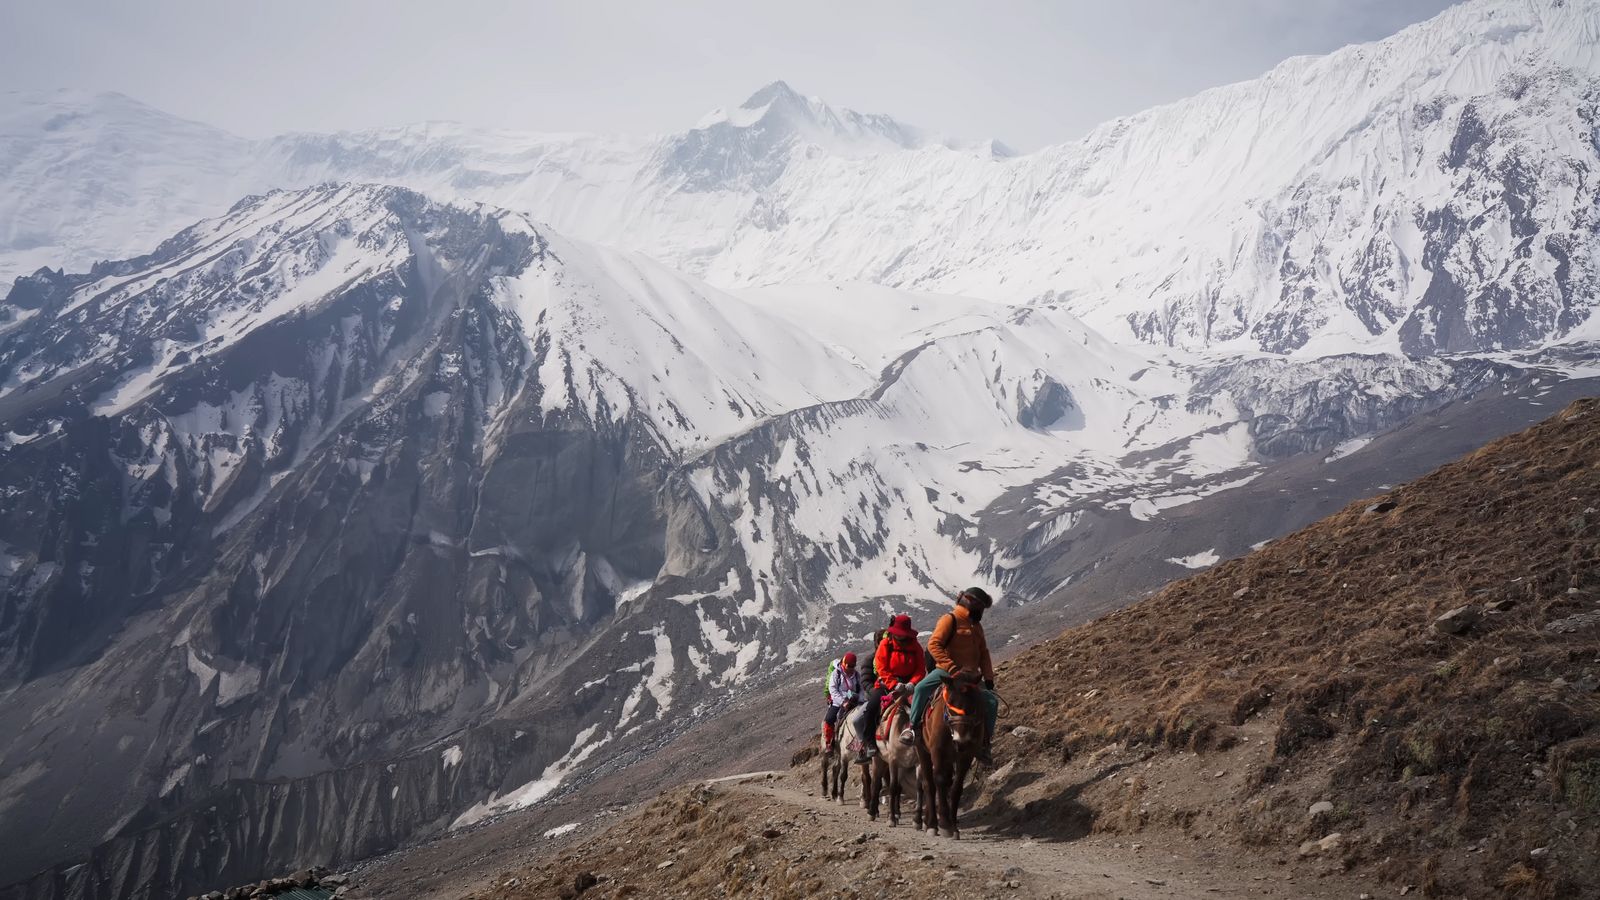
952,731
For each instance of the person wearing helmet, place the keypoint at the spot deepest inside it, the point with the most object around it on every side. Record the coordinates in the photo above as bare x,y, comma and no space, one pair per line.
844,692
899,665
958,645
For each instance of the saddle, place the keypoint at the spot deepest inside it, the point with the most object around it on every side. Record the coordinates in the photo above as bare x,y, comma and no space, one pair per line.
890,708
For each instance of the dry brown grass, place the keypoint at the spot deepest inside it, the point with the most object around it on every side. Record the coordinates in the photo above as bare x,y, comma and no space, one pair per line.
1438,740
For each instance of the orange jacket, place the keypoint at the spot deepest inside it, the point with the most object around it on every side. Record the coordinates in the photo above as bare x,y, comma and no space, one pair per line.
896,666
958,644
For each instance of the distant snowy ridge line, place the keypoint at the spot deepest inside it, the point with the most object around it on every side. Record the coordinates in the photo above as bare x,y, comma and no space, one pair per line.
858,459
1422,194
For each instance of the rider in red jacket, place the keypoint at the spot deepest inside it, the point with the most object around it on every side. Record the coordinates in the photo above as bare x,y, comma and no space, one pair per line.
900,664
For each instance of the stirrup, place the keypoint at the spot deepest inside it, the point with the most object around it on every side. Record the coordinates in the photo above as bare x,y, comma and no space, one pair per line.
909,736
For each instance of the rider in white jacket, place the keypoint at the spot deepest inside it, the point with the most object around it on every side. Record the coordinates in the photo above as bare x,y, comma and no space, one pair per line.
844,692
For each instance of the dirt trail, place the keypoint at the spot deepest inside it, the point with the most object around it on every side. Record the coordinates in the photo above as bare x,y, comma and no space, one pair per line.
1155,865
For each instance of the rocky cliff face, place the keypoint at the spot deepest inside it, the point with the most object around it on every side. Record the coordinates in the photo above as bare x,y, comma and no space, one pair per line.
276,508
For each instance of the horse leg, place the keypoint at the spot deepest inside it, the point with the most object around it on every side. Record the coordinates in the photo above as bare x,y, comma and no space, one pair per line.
941,800
893,787
894,793
956,785
916,796
928,811
869,790
871,787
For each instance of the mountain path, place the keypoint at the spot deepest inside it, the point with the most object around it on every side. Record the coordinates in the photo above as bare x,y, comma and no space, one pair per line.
1137,867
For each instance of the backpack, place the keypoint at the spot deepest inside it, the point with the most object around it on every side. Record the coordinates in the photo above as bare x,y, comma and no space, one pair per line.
827,680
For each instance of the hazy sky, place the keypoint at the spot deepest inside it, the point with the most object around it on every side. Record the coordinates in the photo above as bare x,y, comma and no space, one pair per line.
1030,73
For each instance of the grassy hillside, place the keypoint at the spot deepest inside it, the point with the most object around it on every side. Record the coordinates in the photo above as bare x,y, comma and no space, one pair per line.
1462,763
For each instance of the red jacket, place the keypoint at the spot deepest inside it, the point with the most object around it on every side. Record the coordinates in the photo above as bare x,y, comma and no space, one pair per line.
896,666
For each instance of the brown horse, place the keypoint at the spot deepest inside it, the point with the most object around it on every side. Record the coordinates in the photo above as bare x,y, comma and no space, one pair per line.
895,769
952,731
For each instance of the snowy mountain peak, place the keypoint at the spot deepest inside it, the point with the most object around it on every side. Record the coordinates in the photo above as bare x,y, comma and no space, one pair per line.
780,108
777,91
750,146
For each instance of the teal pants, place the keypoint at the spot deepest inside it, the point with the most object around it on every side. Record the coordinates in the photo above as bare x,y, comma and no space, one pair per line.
923,695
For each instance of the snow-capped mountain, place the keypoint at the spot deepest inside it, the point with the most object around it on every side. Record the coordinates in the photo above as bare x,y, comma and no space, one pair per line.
749,148
345,473
1364,199
100,176
448,464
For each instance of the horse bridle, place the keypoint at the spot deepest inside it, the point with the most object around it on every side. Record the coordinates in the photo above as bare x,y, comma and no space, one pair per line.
954,713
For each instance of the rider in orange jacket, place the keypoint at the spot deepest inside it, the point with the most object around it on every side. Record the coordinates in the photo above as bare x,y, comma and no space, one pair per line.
959,646
900,665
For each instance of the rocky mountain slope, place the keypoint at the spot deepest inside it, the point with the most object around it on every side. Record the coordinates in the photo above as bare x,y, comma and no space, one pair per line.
1430,192
1322,708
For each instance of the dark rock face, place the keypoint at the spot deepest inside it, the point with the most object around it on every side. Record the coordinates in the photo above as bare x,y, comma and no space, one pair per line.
1295,410
1048,406
236,607
1484,264
1487,292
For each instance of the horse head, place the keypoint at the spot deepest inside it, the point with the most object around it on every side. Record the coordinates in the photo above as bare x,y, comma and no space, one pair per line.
964,700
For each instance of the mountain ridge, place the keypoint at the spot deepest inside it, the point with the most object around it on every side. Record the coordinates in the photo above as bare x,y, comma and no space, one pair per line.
1429,156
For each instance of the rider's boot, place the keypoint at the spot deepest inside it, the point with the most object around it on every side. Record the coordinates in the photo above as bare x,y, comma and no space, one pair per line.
827,733
984,755
869,746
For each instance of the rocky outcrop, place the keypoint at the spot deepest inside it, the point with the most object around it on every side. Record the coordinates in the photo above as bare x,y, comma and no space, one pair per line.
1046,406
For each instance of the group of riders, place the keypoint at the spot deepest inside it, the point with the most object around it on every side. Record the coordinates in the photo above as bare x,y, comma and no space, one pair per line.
900,666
